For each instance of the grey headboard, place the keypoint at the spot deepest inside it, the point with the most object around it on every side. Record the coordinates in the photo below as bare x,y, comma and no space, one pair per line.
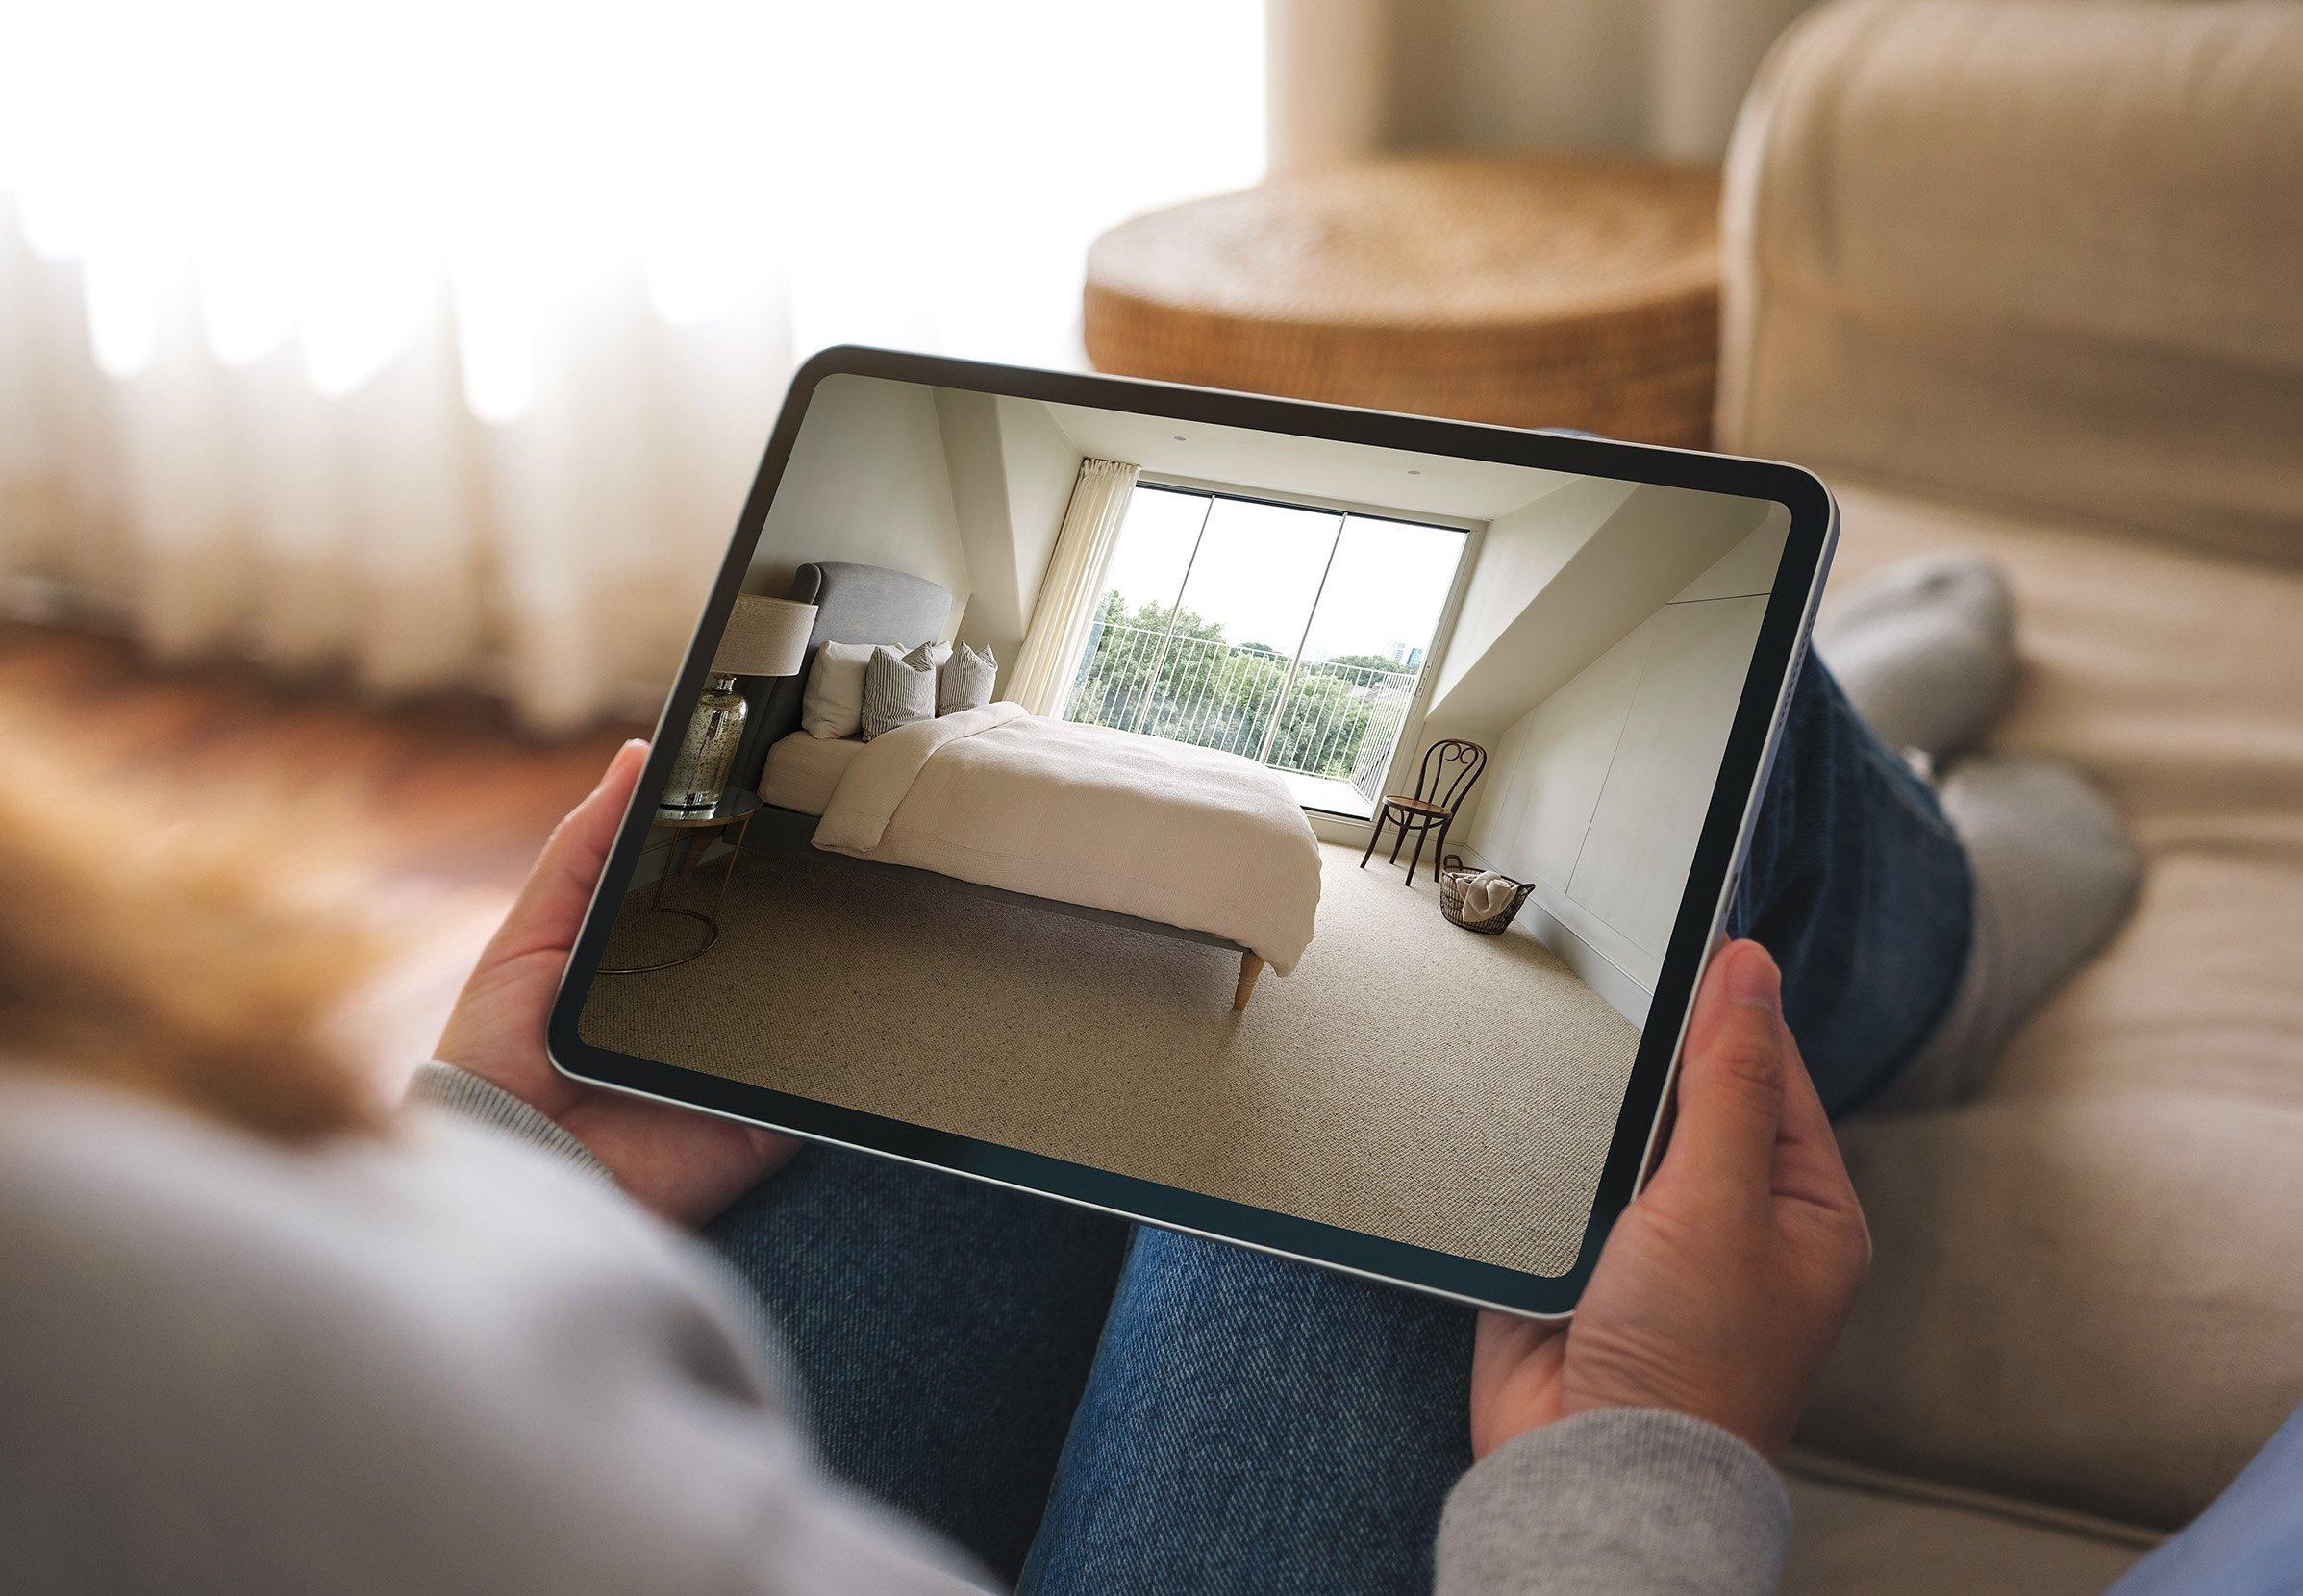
854,604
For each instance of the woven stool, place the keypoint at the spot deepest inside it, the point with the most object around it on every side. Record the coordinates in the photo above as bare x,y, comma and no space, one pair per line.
1536,291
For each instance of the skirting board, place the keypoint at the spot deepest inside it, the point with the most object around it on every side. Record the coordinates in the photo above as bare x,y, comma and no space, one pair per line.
1603,975
1339,829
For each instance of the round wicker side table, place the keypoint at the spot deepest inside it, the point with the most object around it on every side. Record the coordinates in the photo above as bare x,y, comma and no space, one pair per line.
1532,290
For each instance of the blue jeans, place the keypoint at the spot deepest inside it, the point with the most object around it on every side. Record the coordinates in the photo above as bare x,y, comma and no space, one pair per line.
1090,1406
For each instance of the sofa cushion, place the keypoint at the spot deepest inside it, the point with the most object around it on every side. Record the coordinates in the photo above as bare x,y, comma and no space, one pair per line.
2085,1288
2175,679
2086,1302
1881,1541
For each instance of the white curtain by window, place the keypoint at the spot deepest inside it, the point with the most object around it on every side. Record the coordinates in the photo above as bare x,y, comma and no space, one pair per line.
436,343
1065,608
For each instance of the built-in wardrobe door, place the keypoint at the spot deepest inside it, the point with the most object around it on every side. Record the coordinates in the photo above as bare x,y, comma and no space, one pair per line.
1633,868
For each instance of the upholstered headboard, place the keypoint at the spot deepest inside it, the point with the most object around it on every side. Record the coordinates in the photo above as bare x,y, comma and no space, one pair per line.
854,604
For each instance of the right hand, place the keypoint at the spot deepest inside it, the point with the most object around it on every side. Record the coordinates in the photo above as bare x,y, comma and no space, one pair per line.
1727,1280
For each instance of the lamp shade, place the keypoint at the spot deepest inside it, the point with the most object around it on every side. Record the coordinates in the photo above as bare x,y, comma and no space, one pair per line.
766,637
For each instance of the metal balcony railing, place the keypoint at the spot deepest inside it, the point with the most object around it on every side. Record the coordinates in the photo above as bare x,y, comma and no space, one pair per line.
1336,721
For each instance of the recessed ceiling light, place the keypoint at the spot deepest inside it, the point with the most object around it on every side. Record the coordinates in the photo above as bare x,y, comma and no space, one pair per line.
1181,438
1413,472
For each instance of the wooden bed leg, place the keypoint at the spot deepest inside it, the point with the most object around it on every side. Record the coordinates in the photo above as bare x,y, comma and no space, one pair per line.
1251,967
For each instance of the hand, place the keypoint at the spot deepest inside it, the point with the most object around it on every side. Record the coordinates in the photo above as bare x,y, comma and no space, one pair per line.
1726,1282
682,1165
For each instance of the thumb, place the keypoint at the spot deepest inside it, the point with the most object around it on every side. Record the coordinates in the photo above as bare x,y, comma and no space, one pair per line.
1731,1081
552,901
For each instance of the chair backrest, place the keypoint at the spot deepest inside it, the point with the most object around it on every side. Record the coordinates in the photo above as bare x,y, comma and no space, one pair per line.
1451,768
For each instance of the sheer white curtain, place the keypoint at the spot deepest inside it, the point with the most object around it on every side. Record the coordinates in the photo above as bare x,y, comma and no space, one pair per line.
1065,608
436,343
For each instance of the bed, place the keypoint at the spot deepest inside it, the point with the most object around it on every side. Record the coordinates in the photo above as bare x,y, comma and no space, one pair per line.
1159,836
804,771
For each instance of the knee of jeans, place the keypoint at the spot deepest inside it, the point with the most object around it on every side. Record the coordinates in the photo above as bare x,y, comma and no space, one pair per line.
1197,1288
1171,1265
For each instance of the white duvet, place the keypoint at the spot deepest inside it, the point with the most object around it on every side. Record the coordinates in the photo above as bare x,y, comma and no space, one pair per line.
1085,814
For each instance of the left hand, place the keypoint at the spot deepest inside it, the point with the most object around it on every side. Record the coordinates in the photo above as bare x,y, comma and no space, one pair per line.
684,1165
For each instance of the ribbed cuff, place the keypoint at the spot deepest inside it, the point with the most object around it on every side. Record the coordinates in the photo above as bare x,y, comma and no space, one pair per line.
464,1094
1629,1499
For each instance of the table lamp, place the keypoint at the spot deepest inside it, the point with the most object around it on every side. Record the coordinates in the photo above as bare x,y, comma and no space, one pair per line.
766,637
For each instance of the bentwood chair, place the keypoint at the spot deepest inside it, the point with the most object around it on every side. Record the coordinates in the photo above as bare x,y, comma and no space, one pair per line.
1451,768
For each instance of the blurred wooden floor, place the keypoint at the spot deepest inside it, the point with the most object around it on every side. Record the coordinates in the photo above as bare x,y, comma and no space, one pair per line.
419,820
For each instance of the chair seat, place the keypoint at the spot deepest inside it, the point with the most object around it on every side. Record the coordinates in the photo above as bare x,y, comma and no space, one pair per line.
1415,805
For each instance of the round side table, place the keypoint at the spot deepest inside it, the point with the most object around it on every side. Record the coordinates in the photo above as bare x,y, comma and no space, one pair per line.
1531,290
734,808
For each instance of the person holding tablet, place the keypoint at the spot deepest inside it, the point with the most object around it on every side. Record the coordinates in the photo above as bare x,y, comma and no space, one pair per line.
457,1358
1915,928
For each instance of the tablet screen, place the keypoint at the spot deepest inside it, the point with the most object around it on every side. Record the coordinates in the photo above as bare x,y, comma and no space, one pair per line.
1211,821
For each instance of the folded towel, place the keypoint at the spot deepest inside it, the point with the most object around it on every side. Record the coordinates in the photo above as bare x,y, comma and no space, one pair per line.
1487,894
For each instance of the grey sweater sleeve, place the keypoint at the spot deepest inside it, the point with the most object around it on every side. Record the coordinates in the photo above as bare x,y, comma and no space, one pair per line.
464,1094
1630,1500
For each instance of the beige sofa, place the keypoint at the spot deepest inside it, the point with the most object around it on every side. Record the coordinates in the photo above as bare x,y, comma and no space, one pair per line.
2026,276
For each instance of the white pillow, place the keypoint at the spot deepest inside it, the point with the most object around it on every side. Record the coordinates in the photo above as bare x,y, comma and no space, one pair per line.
833,705
964,683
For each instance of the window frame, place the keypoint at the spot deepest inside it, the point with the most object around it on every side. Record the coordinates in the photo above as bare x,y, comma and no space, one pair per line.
1411,725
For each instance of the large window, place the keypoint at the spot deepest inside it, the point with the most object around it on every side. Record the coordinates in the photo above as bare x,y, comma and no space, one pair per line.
1292,634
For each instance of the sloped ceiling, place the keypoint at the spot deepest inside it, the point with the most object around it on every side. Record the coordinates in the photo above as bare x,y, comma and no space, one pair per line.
1561,581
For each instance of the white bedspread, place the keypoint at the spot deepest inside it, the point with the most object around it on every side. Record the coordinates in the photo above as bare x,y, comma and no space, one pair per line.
1086,814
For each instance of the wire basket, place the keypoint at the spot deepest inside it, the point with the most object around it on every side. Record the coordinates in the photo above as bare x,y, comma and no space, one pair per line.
1454,878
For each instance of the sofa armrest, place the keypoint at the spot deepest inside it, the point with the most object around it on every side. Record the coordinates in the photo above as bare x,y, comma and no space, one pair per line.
2032,251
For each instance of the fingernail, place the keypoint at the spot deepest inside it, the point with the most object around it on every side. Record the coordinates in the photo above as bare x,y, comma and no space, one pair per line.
1752,978
616,759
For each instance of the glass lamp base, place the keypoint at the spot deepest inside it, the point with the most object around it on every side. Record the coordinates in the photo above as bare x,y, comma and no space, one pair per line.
700,772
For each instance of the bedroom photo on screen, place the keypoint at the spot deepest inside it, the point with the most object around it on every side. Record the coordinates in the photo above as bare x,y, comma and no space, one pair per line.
1293,822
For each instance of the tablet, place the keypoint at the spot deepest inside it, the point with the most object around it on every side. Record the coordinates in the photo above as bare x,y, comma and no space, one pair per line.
1298,826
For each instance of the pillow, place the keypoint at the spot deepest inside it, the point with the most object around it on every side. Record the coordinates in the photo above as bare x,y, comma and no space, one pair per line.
833,705
898,690
967,681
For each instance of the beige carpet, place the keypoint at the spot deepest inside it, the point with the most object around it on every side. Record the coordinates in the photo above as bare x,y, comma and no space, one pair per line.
1411,1079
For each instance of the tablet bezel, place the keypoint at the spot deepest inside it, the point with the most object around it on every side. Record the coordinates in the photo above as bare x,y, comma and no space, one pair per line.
1722,845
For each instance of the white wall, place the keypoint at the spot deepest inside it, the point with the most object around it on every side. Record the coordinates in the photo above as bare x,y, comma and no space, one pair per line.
1042,469
1011,474
1598,794
968,424
866,482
